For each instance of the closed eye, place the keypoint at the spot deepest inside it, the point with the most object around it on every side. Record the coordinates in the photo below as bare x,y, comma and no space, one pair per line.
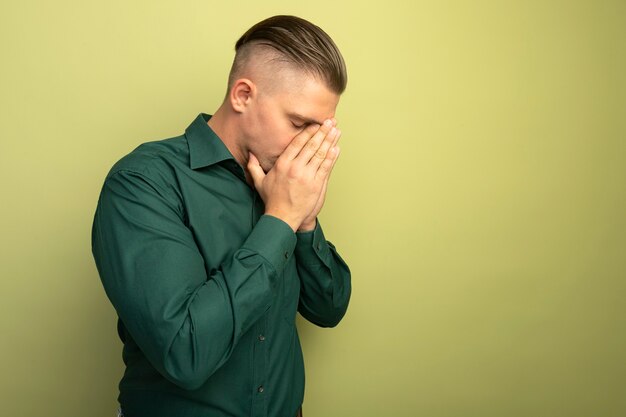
298,126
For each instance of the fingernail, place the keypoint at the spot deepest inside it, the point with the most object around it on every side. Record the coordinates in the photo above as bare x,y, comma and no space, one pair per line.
327,122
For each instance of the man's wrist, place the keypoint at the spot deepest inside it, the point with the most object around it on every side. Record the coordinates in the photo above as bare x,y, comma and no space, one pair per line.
293,223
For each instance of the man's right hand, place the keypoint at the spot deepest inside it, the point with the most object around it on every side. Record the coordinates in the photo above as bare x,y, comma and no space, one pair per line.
291,189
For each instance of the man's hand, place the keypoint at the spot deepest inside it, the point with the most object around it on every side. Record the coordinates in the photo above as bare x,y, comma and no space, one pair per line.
294,189
310,221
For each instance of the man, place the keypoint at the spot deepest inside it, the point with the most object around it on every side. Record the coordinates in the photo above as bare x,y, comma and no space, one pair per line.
208,243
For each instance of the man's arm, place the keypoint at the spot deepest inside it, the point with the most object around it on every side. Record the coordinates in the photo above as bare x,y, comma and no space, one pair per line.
304,168
325,281
186,322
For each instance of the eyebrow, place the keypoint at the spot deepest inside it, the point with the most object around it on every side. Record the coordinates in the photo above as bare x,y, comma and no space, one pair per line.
304,119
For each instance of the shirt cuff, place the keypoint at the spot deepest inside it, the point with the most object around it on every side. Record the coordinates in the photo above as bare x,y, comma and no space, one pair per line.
273,239
312,247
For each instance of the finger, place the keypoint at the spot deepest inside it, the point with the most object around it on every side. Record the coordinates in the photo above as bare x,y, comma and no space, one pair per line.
322,196
311,147
323,192
336,139
332,166
320,154
324,170
333,144
256,172
338,150
293,149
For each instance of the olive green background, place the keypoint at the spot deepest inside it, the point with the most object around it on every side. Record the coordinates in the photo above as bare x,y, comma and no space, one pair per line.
480,197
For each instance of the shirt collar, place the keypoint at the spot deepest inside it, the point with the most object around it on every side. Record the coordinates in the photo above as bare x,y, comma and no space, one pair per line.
205,147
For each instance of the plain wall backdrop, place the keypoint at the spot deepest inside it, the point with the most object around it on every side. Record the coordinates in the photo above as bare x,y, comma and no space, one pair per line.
479,200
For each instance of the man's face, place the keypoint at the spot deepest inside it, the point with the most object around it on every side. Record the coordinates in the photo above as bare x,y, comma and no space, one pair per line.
277,116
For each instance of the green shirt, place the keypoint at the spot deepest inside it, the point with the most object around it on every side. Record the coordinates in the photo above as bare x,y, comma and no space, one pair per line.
206,286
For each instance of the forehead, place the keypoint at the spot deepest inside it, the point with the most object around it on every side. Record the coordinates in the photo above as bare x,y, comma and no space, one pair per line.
307,99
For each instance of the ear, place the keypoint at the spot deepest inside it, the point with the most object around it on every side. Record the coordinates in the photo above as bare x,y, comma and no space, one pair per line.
241,94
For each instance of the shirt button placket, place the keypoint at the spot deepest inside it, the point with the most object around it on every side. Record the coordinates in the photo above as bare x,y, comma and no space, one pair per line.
259,408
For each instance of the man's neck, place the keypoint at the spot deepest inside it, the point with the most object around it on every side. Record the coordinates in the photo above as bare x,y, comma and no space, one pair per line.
225,128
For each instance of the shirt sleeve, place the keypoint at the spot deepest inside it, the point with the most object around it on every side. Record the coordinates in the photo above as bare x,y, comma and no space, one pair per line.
325,280
186,321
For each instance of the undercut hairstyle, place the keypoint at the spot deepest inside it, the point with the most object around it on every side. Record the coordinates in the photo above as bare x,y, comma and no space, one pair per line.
294,41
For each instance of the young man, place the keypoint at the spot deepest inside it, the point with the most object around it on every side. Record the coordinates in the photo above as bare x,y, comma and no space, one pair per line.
208,243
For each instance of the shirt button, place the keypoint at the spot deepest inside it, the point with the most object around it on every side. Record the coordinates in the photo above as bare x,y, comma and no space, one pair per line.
319,245
261,389
261,337
286,255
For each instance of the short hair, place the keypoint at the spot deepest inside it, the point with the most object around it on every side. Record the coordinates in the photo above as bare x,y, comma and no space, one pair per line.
298,42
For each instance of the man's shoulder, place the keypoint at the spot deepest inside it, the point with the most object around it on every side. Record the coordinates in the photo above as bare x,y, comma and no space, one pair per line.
155,159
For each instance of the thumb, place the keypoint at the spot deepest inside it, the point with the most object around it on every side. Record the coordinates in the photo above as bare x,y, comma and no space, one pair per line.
256,172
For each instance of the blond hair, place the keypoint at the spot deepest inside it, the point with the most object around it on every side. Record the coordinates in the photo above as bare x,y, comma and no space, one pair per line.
295,41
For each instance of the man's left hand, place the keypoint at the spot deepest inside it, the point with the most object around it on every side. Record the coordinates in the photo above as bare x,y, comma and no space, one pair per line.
310,221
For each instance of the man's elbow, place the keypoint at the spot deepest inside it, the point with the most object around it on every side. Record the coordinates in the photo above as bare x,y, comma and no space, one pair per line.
330,319
190,374
188,383
187,378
